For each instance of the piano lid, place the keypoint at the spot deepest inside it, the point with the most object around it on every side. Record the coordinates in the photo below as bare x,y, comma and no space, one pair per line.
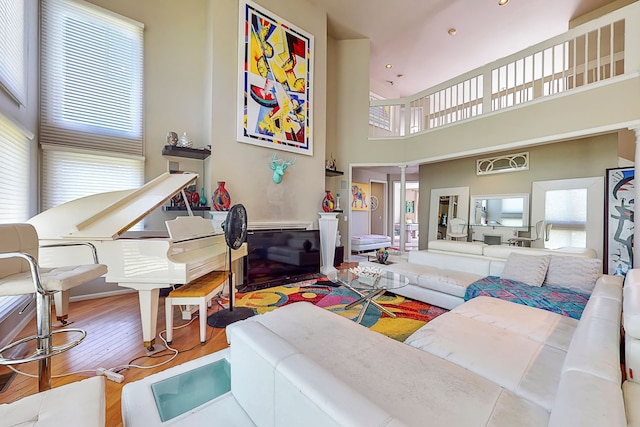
106,216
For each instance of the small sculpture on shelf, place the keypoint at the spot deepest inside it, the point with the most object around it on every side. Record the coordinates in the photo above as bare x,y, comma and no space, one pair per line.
172,138
338,202
331,164
185,141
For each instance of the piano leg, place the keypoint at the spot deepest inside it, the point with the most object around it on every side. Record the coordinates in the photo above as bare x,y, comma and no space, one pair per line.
149,315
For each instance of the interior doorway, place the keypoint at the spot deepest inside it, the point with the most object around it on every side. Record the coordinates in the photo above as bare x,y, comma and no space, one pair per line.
410,212
378,208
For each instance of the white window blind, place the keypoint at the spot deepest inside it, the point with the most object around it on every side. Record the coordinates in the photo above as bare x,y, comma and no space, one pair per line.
14,173
91,78
13,47
71,175
567,211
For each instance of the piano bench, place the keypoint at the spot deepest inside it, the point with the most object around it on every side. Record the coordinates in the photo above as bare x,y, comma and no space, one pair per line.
199,292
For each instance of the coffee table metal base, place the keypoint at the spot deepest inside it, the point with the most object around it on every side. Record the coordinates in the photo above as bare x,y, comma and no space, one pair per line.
366,299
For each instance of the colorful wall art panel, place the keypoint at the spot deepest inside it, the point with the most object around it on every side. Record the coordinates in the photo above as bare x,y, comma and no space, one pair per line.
619,223
359,196
275,82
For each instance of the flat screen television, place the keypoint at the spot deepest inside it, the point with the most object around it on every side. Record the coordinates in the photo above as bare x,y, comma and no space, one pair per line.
278,257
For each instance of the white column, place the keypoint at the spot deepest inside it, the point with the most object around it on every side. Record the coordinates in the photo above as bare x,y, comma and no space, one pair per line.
636,184
403,202
328,224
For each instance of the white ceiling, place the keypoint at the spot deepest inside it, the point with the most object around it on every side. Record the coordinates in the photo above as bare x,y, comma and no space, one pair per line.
412,34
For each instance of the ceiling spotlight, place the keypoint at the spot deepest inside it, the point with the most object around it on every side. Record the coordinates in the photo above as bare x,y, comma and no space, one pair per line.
400,76
452,31
390,82
502,2
388,65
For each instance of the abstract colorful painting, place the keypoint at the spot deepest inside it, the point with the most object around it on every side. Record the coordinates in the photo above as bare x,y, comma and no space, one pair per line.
359,196
275,84
619,223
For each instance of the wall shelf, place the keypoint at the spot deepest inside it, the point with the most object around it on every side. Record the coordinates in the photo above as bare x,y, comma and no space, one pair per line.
191,153
332,172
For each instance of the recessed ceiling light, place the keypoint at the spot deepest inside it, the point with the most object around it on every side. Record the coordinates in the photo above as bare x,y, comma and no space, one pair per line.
452,31
388,65
502,2
390,83
400,76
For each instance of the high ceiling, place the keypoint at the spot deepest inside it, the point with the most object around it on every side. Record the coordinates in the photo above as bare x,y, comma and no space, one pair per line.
412,35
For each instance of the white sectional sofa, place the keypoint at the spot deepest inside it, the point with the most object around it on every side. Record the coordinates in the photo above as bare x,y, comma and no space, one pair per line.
486,363
441,277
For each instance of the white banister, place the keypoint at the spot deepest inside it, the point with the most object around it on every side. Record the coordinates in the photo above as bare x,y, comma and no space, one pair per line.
582,56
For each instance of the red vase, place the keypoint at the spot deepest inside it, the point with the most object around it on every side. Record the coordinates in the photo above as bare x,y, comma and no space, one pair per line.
221,199
328,202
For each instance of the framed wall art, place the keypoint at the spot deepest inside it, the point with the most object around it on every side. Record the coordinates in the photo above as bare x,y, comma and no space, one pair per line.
619,224
359,196
275,87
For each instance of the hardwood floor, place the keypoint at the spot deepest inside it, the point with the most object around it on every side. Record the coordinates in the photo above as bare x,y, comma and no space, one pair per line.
114,339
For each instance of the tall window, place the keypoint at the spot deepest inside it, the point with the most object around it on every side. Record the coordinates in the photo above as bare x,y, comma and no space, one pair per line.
566,210
91,101
574,209
13,49
14,173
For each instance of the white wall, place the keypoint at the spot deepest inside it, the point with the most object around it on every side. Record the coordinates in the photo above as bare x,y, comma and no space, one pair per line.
191,70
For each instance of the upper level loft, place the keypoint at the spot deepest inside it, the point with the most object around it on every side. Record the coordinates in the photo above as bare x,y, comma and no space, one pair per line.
600,52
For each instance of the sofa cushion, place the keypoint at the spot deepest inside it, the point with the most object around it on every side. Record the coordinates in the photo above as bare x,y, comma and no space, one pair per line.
447,281
451,262
575,273
472,248
525,366
527,269
540,325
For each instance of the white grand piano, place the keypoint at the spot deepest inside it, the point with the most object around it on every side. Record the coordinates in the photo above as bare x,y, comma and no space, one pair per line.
144,261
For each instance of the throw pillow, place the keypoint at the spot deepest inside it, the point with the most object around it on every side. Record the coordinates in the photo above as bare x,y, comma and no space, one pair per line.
527,269
575,273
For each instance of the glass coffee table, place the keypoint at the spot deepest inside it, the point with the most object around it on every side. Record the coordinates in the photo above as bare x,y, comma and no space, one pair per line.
369,288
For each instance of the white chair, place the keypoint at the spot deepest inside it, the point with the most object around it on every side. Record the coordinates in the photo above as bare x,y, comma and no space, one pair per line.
457,229
542,230
20,274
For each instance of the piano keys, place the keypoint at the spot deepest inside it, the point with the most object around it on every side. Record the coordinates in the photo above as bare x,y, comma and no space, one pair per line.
144,261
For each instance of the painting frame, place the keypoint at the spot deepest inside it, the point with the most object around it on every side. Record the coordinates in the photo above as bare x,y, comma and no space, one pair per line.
360,193
619,224
275,82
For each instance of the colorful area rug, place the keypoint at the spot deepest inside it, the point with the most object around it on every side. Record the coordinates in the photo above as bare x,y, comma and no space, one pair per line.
411,315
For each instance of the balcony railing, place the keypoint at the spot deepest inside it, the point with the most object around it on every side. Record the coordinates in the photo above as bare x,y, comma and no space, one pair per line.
596,51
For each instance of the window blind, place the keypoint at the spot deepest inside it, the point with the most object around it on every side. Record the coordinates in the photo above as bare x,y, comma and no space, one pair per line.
91,78
71,175
14,173
13,49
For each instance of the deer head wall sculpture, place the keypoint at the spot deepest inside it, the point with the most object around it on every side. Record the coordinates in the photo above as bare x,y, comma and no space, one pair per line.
279,166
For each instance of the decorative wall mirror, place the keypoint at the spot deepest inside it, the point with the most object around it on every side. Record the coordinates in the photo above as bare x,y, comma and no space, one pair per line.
500,210
462,198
